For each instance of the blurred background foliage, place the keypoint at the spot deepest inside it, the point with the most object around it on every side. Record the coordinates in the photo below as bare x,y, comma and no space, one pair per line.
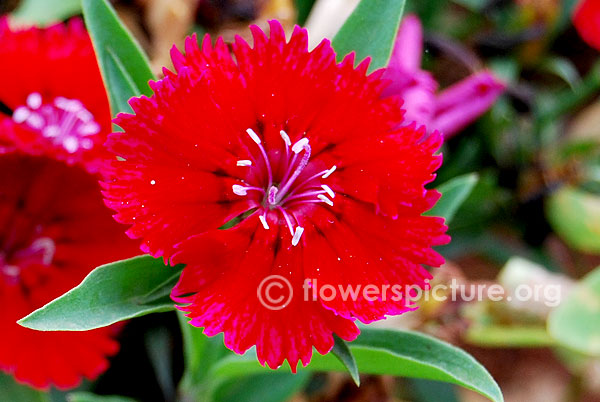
533,216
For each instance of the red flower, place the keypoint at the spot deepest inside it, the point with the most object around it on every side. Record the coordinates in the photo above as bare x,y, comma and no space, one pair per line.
52,93
54,228
324,183
587,21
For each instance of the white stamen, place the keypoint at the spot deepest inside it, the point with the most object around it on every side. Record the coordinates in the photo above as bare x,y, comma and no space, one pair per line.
329,172
325,200
21,115
85,116
36,121
47,247
11,270
328,190
61,103
254,136
299,146
297,235
244,162
263,220
51,131
34,100
71,144
86,143
90,128
286,138
239,190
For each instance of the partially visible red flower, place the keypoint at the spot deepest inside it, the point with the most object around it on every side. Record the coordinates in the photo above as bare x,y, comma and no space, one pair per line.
587,21
54,227
53,99
325,183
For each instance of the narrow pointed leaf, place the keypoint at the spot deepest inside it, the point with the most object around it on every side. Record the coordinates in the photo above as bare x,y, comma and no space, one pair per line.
344,355
109,294
391,352
371,31
124,65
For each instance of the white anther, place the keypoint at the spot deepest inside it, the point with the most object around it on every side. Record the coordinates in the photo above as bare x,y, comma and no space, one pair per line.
21,114
263,220
244,162
297,235
325,200
84,115
329,172
36,121
71,144
34,100
254,136
51,131
286,138
239,190
61,103
328,190
90,128
299,146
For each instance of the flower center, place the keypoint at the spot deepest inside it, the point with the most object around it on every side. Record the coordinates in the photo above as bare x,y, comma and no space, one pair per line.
40,252
293,188
66,122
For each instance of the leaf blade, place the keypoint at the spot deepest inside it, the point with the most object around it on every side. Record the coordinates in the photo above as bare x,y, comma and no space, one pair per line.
575,323
454,193
111,293
345,356
371,31
121,58
392,352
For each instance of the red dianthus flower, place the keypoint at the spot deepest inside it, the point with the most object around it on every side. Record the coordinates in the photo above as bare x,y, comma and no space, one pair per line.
54,228
326,183
53,101
587,21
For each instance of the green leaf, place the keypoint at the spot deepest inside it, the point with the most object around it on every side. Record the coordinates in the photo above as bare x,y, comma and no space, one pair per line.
454,193
576,322
125,67
265,387
575,216
371,31
109,294
200,354
44,12
343,353
10,390
530,336
391,352
304,8
89,397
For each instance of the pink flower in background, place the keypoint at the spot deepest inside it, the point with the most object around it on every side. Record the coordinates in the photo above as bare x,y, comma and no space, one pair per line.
448,111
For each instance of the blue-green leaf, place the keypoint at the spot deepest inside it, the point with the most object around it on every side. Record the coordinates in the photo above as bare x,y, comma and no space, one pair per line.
44,12
391,352
265,387
454,193
10,390
125,67
109,294
343,353
371,31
